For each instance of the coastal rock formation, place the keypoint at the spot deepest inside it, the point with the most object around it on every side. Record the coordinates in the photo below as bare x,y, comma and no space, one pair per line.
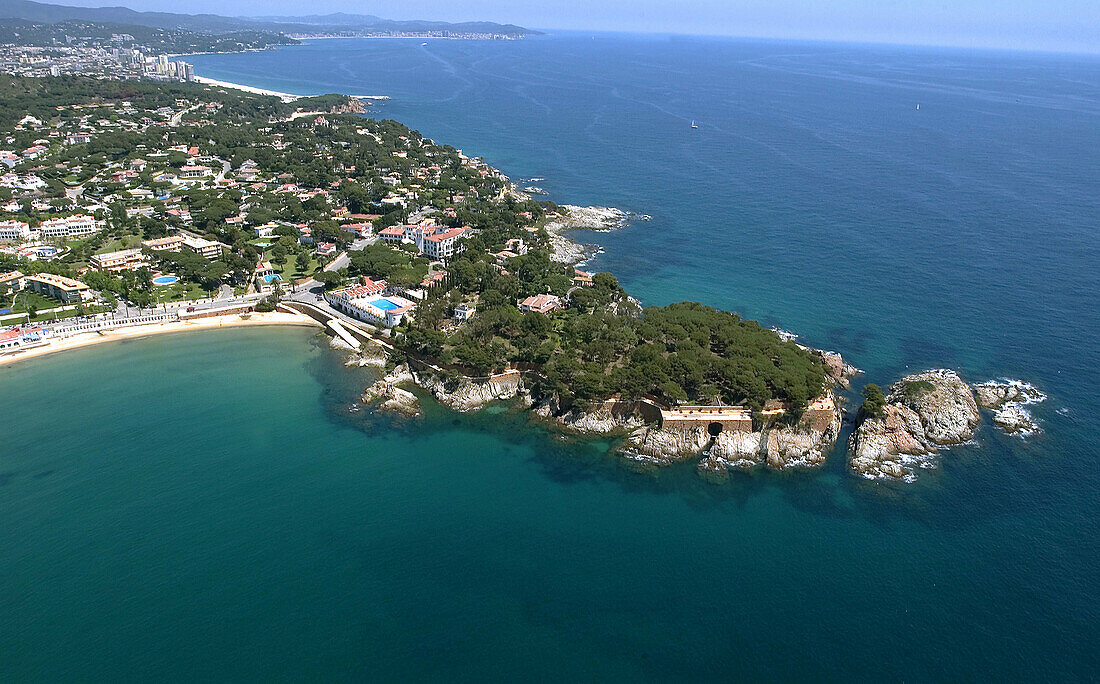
593,218
781,447
353,105
657,446
601,421
922,413
838,370
1007,400
466,394
386,394
890,445
564,250
374,355
777,447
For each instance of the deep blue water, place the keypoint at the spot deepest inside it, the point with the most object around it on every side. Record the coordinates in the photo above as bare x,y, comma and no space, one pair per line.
259,530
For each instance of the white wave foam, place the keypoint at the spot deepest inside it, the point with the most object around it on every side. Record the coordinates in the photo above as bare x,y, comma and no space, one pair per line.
785,335
1013,413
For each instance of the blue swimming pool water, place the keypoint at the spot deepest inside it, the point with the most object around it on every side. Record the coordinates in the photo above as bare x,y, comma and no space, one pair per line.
165,280
271,276
384,304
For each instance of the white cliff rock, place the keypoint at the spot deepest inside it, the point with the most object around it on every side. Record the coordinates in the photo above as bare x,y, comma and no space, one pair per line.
600,421
657,446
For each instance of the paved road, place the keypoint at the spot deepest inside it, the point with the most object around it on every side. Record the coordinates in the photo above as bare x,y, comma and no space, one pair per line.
176,118
220,302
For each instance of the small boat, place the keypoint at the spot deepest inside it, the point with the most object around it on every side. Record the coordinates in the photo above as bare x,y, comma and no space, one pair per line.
693,124
423,44
918,106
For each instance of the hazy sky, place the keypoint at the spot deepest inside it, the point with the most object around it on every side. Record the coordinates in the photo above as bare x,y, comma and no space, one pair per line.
1061,25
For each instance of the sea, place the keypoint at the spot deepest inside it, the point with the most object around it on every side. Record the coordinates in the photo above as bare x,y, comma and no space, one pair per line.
211,505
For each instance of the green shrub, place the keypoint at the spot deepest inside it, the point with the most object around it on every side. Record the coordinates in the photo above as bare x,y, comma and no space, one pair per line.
874,401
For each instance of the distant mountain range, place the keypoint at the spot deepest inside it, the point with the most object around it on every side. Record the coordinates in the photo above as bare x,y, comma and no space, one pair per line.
29,10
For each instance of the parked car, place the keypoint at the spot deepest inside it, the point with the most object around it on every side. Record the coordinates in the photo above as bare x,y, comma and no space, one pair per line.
190,309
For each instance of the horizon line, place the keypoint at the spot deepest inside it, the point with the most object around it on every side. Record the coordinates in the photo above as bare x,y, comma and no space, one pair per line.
829,41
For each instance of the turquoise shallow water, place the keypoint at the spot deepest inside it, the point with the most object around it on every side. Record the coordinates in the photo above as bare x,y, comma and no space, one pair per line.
206,505
225,516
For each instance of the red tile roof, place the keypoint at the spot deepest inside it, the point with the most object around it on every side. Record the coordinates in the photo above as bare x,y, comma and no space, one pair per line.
447,234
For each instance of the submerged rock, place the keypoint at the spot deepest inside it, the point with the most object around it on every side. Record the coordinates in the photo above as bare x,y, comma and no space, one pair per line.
923,412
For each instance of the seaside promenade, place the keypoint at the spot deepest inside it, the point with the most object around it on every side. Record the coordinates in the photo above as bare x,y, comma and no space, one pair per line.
85,333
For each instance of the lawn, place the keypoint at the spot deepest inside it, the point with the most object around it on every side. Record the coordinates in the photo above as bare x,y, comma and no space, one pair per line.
124,242
180,291
289,271
27,298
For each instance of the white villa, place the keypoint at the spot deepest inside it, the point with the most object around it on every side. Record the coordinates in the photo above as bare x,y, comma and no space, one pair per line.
14,230
63,228
368,303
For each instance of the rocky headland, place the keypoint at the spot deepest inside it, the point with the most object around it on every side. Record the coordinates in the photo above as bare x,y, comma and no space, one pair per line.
566,251
645,440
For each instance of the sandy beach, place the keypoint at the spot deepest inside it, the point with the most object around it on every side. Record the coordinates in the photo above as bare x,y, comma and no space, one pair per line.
88,339
285,97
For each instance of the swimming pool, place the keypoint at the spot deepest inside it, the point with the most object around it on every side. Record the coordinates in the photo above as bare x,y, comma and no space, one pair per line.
385,304
270,276
165,280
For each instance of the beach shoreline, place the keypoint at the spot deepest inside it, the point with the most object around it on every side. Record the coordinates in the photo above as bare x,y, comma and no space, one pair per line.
285,97
118,334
